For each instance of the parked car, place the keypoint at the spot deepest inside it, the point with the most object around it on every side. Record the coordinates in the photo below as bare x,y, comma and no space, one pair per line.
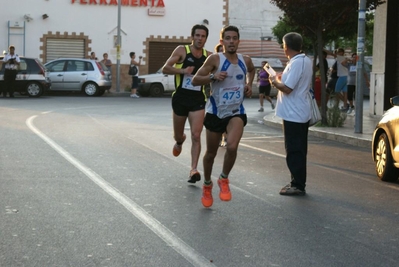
385,144
156,84
32,77
76,74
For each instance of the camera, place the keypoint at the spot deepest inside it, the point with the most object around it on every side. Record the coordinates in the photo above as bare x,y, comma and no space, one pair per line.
11,61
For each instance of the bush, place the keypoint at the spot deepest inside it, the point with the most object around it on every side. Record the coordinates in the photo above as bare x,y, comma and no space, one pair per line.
335,118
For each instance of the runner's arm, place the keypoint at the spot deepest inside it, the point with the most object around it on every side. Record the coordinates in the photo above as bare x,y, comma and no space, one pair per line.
177,56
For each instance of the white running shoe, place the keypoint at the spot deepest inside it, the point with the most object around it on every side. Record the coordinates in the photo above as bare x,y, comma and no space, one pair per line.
134,96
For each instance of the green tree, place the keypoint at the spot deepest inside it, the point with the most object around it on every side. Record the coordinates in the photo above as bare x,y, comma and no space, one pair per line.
323,20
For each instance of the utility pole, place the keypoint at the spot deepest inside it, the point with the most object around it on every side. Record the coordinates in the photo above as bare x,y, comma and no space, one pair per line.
118,50
361,30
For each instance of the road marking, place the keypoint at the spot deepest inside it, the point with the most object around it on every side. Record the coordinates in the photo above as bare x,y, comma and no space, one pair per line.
376,182
153,224
263,150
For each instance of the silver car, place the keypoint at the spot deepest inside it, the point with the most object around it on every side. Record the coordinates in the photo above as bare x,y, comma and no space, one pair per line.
75,74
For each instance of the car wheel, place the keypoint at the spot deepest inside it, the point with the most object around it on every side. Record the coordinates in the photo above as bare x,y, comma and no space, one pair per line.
34,89
384,167
156,90
143,92
90,89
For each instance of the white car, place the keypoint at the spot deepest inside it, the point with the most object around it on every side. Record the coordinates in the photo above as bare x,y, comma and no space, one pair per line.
156,84
76,74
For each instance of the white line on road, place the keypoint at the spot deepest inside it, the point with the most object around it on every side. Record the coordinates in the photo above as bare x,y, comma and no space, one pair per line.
153,224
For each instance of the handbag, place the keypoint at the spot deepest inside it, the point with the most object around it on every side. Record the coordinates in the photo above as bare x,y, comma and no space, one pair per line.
133,70
315,115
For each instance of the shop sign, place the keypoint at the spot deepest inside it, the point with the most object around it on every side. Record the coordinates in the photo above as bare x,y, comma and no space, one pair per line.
156,12
144,3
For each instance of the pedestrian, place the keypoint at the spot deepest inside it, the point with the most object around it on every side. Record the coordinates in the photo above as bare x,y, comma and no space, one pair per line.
264,87
350,64
332,81
135,77
108,63
294,108
218,48
341,88
11,61
93,56
231,76
188,101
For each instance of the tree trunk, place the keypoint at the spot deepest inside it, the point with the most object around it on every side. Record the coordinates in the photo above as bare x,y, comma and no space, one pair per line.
323,100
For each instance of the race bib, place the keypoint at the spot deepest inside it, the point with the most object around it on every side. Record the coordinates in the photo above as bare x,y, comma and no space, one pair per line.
231,96
187,79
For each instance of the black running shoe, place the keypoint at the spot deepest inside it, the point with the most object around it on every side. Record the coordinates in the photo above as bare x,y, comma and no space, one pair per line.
194,177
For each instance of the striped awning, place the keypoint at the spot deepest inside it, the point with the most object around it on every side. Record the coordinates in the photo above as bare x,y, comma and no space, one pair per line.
264,49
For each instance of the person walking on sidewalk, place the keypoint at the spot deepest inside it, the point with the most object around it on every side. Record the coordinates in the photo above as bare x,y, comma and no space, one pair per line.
188,101
135,77
350,64
11,61
264,87
294,108
341,88
231,76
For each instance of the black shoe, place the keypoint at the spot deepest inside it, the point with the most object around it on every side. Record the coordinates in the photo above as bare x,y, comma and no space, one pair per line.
194,177
12,95
289,190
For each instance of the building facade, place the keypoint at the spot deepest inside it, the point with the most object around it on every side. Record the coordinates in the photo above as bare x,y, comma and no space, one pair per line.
385,74
50,29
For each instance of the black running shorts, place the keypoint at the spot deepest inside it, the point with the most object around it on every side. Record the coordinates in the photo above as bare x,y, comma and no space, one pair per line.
214,124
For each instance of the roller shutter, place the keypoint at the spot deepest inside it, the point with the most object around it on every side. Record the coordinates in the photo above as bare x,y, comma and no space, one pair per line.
159,52
57,48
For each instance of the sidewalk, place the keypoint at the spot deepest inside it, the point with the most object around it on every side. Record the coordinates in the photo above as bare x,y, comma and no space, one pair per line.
345,134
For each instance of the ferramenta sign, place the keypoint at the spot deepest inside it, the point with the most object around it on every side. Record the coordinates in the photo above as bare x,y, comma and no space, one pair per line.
144,3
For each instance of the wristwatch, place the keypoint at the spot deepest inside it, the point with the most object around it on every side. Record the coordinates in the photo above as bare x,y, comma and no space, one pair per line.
212,77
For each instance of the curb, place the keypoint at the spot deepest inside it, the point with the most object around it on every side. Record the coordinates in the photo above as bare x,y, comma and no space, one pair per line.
322,132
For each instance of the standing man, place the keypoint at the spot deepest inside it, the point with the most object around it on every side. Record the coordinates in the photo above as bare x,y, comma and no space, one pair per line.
231,76
294,108
188,101
10,73
341,88
108,63
264,87
135,77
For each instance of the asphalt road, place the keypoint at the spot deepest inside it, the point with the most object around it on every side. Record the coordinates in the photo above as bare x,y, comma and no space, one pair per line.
92,182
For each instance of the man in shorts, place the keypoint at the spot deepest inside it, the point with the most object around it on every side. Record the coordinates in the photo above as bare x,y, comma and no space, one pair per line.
188,101
264,87
341,88
231,76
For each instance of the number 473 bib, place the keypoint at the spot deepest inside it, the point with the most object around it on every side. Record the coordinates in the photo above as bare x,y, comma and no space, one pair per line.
232,95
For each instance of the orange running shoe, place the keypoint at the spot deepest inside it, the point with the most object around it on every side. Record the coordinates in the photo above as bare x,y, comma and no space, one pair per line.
225,194
177,148
207,199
